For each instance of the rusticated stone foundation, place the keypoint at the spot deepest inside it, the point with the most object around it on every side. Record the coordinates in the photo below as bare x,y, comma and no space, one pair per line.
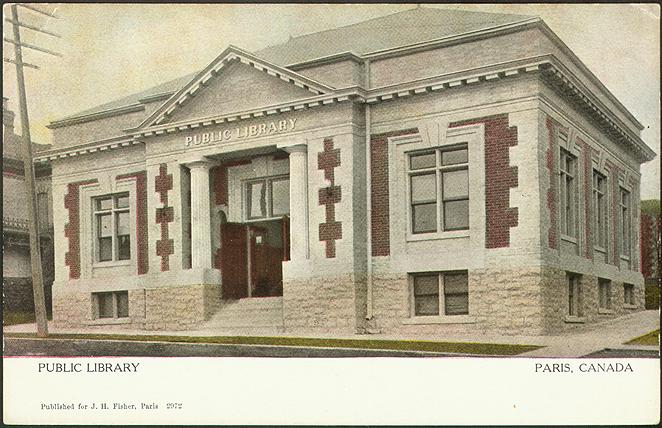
327,304
162,308
555,301
499,302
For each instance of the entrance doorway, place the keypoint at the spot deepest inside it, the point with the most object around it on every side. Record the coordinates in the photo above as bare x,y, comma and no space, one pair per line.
251,257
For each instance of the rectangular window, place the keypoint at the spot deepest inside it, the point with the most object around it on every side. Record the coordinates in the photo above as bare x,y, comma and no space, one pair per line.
113,227
267,198
439,190
604,293
447,290
567,191
574,295
626,222
600,222
112,304
628,294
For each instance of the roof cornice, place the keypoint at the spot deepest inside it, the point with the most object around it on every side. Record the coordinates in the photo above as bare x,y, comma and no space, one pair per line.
549,67
95,116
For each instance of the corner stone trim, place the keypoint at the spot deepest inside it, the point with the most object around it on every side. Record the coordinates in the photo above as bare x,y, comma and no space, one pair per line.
164,215
141,218
379,192
72,228
587,151
500,177
552,239
331,230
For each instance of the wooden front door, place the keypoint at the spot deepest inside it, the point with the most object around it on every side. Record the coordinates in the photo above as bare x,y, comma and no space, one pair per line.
234,256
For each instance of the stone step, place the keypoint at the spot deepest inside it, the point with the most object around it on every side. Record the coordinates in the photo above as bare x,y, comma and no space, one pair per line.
245,314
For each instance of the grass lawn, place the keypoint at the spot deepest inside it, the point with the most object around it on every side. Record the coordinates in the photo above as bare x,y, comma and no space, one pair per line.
652,339
400,345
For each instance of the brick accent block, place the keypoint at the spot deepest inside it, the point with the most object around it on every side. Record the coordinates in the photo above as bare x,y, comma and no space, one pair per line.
72,228
142,259
379,193
220,180
500,177
164,215
331,230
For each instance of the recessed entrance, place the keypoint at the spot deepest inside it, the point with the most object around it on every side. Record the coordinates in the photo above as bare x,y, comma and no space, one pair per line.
251,258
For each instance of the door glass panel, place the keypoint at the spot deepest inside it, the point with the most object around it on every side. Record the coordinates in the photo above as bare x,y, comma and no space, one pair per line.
257,205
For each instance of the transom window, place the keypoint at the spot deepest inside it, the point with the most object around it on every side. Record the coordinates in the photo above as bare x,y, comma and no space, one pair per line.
267,198
112,304
439,190
604,293
600,209
567,168
447,290
113,227
626,222
574,295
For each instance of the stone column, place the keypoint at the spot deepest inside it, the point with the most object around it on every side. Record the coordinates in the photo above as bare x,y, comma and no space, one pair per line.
298,202
201,248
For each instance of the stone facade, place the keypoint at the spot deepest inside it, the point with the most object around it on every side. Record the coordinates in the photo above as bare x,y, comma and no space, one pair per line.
212,155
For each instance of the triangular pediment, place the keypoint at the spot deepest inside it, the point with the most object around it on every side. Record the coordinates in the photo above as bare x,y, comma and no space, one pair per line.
235,81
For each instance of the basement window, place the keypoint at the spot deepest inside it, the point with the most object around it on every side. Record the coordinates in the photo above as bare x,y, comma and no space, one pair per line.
112,304
440,293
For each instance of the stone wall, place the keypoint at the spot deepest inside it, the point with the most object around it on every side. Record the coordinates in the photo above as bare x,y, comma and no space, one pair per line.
162,308
320,304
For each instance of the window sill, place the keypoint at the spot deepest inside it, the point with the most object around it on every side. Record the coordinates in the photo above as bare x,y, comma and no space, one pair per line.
602,311
110,321
574,320
600,249
442,319
568,238
433,236
625,258
629,306
111,264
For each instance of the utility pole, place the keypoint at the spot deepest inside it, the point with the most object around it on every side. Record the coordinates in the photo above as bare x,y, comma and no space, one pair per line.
33,223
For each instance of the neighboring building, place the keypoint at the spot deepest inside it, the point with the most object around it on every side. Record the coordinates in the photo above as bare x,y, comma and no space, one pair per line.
397,175
651,250
16,270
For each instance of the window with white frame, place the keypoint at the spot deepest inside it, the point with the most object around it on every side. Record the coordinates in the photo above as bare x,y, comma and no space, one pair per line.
267,198
574,295
628,294
600,209
438,293
567,186
111,304
439,189
112,227
604,293
626,222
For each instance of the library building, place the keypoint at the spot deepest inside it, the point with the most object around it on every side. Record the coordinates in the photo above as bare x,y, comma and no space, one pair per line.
399,175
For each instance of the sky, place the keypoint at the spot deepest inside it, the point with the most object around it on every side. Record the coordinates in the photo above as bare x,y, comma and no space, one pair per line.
113,50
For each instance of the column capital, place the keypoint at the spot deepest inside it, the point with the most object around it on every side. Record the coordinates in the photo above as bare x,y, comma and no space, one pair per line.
297,148
201,163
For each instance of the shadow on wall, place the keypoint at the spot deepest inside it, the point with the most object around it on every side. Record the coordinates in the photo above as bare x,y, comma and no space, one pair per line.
18,295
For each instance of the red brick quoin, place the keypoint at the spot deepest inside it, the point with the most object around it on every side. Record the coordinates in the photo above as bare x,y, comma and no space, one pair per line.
72,228
500,177
614,172
164,215
331,230
552,190
379,193
141,218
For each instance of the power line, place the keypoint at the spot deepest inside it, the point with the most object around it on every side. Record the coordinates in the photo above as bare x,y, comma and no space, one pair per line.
33,221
